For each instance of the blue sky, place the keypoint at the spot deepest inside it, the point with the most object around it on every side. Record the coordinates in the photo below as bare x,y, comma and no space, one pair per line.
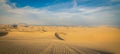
60,12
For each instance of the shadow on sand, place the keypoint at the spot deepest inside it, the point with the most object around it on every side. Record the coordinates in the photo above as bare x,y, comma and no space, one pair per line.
58,37
3,34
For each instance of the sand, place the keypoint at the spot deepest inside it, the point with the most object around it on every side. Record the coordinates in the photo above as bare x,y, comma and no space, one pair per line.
69,40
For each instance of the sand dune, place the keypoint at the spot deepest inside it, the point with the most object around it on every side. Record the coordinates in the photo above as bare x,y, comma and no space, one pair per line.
60,40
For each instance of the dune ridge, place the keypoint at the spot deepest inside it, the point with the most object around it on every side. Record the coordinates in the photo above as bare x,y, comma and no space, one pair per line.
59,40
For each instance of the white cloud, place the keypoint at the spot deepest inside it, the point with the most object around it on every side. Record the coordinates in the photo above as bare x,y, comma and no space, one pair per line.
77,16
74,3
92,10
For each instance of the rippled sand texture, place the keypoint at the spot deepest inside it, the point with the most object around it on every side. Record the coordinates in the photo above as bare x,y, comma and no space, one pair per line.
62,40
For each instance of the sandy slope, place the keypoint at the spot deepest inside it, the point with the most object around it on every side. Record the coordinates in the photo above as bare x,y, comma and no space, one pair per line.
84,40
102,38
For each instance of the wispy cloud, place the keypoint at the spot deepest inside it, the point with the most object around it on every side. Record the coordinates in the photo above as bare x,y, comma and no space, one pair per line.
80,15
115,0
75,3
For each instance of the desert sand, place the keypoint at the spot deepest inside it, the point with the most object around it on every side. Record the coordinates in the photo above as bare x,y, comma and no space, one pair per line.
60,40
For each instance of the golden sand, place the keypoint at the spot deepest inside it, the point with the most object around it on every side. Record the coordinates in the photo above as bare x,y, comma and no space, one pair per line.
76,40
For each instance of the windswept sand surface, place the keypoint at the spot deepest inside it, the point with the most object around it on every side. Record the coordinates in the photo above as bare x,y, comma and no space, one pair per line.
62,40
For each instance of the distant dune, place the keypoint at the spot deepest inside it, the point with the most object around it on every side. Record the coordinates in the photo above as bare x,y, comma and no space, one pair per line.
59,40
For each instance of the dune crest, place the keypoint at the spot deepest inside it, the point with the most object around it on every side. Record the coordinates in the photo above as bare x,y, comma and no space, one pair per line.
59,40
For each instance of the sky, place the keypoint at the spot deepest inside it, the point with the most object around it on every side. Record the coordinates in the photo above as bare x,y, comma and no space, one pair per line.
60,12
